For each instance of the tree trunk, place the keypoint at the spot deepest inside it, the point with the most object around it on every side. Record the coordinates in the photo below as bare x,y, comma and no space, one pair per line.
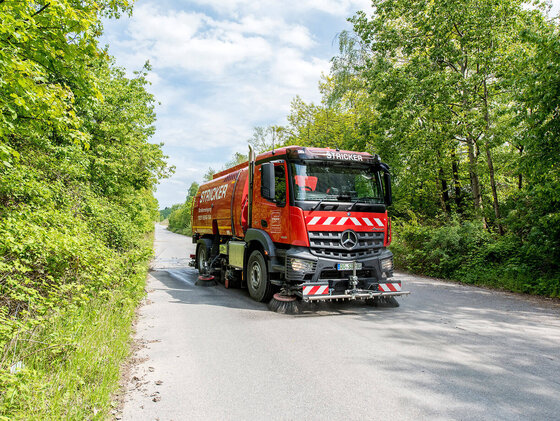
473,174
456,182
444,193
494,191
471,143
490,163
520,176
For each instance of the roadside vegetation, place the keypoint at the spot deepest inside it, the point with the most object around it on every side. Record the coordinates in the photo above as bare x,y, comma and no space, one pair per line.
462,100
179,215
76,208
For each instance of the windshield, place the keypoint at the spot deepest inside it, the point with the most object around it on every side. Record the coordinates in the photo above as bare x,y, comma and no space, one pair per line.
335,182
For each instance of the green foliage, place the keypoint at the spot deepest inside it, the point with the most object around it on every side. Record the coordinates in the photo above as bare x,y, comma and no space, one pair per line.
466,252
461,99
180,216
46,53
180,219
164,213
71,368
263,139
76,179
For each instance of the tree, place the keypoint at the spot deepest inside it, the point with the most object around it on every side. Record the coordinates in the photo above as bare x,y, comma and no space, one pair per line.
534,214
209,174
181,215
266,138
47,50
77,174
435,70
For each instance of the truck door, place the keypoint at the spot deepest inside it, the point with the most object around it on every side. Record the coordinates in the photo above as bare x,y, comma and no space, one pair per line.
272,216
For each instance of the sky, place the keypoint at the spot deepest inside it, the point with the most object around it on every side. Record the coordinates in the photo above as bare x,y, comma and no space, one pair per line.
222,67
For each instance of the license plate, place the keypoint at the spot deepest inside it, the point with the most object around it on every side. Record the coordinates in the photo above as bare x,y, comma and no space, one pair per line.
348,266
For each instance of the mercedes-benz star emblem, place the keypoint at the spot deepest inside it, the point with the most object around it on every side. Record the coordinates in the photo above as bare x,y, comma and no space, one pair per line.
349,239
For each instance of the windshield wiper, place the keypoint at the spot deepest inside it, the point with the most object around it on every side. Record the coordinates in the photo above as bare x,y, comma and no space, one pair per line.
363,199
353,204
319,202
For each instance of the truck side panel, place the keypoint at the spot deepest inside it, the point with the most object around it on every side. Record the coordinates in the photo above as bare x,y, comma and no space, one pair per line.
212,206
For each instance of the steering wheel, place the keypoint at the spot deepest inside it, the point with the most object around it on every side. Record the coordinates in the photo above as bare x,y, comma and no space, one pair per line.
307,188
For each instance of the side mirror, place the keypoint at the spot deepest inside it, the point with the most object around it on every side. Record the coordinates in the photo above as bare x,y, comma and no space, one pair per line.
388,192
267,181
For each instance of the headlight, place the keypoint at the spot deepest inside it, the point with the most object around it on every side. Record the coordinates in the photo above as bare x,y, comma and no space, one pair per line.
300,265
387,265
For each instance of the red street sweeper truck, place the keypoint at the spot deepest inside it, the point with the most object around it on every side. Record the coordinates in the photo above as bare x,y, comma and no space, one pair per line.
301,224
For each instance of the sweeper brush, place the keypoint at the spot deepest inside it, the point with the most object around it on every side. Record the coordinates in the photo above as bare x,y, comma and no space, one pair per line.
205,281
285,304
383,302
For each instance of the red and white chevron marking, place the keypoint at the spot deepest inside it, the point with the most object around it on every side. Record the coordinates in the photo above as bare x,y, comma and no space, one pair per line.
392,287
344,220
316,290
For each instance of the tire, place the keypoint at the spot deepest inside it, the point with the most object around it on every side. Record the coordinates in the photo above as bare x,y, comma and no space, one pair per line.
201,259
258,283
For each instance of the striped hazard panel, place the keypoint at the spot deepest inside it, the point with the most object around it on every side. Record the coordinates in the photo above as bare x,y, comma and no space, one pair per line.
392,287
344,220
315,290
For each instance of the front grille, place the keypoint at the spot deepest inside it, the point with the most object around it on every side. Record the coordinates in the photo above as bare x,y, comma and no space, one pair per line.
327,244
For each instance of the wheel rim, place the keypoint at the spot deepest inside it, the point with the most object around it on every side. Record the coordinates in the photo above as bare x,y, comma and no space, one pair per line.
256,276
201,259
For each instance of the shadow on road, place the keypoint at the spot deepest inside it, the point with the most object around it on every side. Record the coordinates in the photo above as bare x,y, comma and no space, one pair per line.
494,354
179,283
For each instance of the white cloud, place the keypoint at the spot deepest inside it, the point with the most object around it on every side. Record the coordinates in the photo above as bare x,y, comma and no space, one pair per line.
200,43
333,7
219,74
150,23
298,36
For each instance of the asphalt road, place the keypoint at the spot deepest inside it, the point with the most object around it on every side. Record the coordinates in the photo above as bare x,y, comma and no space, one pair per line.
448,352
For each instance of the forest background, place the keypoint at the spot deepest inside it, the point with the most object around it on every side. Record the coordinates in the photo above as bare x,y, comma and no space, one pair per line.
462,100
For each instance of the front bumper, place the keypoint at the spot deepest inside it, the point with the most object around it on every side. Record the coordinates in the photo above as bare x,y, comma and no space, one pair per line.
322,292
323,281
352,295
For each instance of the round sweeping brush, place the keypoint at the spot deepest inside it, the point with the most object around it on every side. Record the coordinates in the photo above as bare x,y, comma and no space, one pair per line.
285,304
205,281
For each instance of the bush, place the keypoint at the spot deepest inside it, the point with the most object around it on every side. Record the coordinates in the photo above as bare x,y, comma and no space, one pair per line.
76,212
466,252
68,258
180,220
180,215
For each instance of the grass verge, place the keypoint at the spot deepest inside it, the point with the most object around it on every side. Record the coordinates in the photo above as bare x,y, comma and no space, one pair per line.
70,367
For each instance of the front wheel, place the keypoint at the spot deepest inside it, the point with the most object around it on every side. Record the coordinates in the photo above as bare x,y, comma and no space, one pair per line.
202,259
258,283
